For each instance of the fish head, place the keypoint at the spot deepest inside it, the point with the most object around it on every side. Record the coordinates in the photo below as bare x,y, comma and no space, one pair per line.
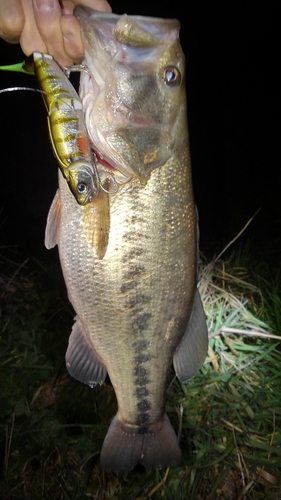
133,92
82,181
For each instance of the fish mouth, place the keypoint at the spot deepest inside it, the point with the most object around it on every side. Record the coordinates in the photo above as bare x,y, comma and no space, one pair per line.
109,176
102,161
128,140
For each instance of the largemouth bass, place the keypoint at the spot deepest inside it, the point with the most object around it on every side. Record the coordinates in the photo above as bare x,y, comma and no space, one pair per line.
129,259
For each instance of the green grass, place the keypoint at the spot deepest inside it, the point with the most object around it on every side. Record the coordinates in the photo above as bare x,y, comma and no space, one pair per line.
229,416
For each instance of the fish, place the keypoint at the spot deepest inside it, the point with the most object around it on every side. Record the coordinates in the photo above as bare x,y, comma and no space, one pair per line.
67,129
137,305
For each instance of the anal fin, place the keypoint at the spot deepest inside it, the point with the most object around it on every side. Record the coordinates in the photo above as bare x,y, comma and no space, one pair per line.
81,359
192,350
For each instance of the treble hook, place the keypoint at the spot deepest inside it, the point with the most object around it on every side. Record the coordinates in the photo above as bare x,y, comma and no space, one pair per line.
116,187
75,68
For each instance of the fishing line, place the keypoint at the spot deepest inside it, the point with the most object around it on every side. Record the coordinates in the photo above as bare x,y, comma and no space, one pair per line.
11,89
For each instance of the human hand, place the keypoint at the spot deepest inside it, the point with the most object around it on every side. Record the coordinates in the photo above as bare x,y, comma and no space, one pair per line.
46,26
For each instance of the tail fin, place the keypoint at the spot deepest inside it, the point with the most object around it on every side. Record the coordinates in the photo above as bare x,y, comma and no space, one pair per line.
127,445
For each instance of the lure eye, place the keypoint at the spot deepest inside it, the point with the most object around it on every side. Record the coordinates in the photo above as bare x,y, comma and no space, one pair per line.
81,188
171,76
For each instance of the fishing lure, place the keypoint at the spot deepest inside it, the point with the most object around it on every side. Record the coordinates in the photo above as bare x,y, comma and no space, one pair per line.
67,129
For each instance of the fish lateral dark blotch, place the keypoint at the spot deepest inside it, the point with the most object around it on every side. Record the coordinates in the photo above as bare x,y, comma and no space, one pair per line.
138,300
127,286
143,407
142,357
132,254
132,235
140,345
141,374
143,418
142,392
133,272
141,322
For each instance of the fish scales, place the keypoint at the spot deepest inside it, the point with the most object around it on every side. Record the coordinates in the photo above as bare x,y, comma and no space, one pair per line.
137,305
135,279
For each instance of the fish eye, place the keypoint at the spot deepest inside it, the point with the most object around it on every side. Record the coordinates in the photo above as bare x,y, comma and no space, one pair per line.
81,188
171,76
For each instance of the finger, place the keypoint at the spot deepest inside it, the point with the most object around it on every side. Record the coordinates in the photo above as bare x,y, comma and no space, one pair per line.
48,15
73,45
71,29
30,38
101,5
11,20
67,7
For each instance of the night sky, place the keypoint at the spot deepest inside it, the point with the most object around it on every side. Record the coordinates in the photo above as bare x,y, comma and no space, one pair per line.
232,114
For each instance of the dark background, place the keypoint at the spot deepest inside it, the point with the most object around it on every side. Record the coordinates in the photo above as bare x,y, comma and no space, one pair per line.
231,70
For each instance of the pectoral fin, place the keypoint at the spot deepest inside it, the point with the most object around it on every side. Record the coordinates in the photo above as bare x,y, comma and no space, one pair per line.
53,222
96,217
192,350
81,359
